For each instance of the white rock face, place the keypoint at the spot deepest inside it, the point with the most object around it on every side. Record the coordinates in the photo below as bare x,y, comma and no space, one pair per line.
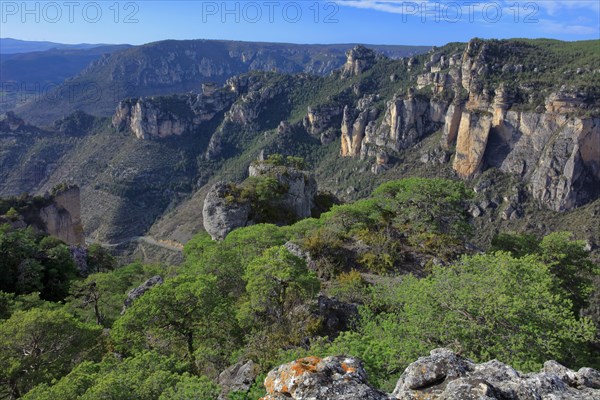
165,116
222,214
63,217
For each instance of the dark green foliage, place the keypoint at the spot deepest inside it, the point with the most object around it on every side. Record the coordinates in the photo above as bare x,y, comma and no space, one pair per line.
485,306
275,283
147,376
434,205
567,258
286,161
99,259
187,316
99,298
39,345
33,263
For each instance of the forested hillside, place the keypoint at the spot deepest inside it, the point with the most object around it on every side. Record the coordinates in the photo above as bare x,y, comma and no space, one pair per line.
386,279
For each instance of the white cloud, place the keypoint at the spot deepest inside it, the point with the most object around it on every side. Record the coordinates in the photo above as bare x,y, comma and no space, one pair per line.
548,16
568,29
556,6
389,6
551,7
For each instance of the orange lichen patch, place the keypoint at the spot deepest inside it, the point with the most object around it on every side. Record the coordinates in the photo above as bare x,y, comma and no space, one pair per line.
284,379
306,364
269,385
348,369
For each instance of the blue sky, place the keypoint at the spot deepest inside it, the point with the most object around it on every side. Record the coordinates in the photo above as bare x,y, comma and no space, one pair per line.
305,21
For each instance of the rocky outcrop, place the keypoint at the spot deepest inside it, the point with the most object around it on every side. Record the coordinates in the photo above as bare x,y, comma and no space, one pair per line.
80,255
252,100
556,154
9,122
165,116
320,122
237,378
222,213
62,217
155,117
358,60
442,375
136,293
330,378
445,375
301,187
299,252
337,316
567,173
451,124
224,210
564,102
554,149
357,124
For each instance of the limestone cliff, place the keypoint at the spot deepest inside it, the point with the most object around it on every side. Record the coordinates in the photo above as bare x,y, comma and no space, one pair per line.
252,95
320,122
165,116
554,148
441,375
62,217
471,142
405,123
357,124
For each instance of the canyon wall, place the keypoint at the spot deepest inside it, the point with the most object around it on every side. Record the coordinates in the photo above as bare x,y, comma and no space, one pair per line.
554,149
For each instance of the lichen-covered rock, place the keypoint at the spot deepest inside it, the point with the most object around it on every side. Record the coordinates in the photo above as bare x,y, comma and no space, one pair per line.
331,378
427,371
136,293
222,213
445,375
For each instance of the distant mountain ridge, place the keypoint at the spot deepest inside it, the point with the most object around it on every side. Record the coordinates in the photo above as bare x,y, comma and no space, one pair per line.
15,46
43,69
174,66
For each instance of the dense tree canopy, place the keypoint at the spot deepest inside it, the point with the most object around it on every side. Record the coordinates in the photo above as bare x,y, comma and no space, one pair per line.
401,257
39,345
